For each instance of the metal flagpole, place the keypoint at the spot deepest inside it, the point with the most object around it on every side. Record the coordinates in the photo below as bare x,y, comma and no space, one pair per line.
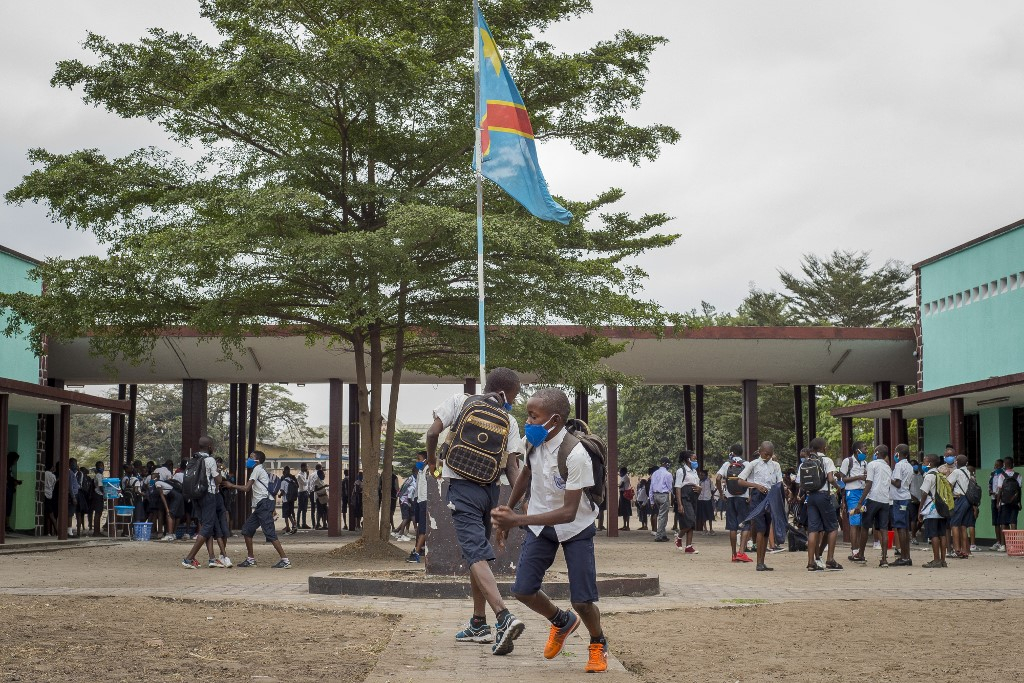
477,152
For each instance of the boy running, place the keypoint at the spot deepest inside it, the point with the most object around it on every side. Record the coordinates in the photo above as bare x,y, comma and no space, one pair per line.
559,515
262,511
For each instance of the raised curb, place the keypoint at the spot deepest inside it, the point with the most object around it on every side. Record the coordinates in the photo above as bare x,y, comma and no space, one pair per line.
419,586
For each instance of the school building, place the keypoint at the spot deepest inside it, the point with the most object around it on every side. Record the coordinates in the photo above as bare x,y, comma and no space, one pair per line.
970,357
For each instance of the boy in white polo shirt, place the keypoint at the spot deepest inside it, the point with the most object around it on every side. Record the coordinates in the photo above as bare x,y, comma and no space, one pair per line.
875,504
560,515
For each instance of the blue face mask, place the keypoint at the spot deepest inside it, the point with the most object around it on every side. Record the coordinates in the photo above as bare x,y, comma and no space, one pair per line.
895,458
250,463
536,434
917,468
507,406
861,457
802,460
949,459
420,465
693,465
998,470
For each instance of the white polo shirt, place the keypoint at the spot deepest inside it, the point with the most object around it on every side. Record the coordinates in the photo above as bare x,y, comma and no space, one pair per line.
547,488
757,471
449,411
686,477
851,467
903,471
958,479
827,466
723,472
880,476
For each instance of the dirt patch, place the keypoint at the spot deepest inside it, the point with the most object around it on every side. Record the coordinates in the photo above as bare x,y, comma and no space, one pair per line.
143,639
809,642
363,551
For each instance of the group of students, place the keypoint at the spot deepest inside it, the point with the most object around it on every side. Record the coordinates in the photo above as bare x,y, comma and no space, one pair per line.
938,496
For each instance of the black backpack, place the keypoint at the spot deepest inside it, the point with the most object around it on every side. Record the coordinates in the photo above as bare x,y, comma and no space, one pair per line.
477,442
293,490
732,479
88,487
973,491
1009,493
812,474
194,486
579,432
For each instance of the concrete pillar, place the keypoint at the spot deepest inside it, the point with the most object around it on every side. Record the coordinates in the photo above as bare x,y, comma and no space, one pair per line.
798,417
750,442
812,412
612,391
64,473
133,398
846,445
353,440
116,443
583,405
688,416
254,413
698,441
335,472
883,391
956,424
896,426
193,414
235,462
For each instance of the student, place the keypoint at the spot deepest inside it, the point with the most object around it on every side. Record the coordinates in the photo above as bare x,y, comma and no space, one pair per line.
289,493
853,472
99,500
706,504
1008,489
963,513
471,505
997,469
311,492
407,503
560,515
915,499
303,479
641,502
973,472
935,526
660,494
902,477
874,504
822,522
173,506
208,508
420,511
262,511
321,497
686,490
760,474
625,504
736,497
50,492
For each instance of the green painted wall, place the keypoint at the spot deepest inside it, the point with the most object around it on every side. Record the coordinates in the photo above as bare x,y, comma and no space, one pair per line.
16,361
977,335
936,433
996,430
22,438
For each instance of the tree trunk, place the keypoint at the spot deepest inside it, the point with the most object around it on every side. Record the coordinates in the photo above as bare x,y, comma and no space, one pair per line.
398,361
369,425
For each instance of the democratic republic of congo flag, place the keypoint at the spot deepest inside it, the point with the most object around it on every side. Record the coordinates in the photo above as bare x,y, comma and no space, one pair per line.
507,147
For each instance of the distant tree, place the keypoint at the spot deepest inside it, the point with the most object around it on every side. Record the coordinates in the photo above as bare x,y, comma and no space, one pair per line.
651,426
765,309
844,291
407,445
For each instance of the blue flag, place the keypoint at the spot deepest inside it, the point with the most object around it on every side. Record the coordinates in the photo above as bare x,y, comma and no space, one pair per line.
507,146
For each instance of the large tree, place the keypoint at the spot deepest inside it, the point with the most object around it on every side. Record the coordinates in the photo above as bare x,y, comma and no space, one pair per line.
331,192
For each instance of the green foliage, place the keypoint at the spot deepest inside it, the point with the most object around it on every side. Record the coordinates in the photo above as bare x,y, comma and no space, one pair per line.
158,422
651,426
407,445
334,196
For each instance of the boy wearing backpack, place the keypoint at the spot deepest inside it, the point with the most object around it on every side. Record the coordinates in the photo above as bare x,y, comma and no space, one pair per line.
963,511
263,504
1008,489
471,504
736,499
935,509
202,481
816,474
561,514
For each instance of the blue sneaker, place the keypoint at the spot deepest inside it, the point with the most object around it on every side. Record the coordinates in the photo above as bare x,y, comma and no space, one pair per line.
507,631
413,557
475,634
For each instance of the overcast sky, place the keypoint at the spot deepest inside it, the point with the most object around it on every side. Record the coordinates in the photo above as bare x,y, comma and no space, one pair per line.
806,127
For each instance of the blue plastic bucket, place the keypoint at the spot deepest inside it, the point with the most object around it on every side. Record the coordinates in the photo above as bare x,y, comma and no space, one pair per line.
143,530
111,488
124,510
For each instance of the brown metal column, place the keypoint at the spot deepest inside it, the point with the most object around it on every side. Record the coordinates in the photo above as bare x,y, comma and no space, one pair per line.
133,397
469,386
798,417
895,427
883,390
812,412
353,441
254,415
5,402
956,424
193,414
688,416
235,464
750,443
698,441
846,445
334,469
116,441
64,474
583,405
612,391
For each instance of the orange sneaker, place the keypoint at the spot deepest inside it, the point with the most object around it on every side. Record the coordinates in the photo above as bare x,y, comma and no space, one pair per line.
598,660
557,636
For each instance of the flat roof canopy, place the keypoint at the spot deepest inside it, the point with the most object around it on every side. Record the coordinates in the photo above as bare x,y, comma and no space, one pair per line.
713,356
1006,391
26,397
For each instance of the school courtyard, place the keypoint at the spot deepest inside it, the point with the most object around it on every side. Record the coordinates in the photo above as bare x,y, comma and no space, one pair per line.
127,611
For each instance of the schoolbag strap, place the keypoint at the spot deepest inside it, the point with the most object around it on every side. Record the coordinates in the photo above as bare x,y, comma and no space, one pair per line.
569,442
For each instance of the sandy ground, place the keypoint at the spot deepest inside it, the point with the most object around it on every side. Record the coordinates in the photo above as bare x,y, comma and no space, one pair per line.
808,642
87,639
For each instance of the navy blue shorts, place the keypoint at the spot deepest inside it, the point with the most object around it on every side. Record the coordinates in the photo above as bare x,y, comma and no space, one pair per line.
208,517
875,516
538,553
222,517
471,506
261,516
900,515
936,527
407,511
760,523
1008,515
421,517
821,513
963,513
736,510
